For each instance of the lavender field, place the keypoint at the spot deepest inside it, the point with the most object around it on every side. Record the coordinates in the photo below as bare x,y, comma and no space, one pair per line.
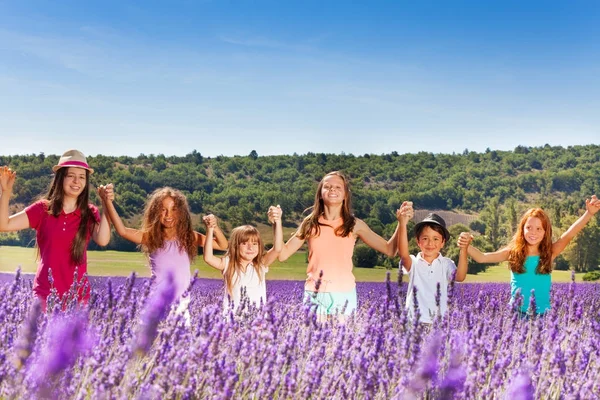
126,345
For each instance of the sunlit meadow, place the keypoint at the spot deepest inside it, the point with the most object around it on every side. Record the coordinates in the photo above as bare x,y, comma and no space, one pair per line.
125,344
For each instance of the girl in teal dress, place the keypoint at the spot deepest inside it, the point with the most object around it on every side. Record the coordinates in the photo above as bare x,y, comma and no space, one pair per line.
531,252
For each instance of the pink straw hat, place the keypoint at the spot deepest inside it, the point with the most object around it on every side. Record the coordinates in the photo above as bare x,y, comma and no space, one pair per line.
72,158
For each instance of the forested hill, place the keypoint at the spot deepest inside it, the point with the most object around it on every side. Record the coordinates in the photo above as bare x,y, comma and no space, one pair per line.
494,185
240,188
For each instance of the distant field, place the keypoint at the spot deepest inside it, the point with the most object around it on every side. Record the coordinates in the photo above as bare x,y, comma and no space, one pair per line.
114,263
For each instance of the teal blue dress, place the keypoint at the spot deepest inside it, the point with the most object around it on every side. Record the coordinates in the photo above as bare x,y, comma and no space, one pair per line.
528,280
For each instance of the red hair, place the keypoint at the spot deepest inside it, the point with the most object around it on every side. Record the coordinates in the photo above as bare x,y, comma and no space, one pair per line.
518,245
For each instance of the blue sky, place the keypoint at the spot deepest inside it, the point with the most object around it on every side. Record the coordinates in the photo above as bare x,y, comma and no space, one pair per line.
278,77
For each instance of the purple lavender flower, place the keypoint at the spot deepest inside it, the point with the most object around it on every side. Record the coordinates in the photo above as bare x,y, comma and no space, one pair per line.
521,387
67,339
28,335
155,311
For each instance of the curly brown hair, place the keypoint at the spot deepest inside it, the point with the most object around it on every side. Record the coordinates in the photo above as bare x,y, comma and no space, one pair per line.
240,235
153,233
311,227
518,244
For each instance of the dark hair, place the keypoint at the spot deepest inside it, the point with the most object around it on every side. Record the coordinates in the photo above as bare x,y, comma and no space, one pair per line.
435,227
55,199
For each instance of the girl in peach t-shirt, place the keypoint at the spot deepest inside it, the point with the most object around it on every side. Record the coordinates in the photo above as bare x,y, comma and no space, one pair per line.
331,231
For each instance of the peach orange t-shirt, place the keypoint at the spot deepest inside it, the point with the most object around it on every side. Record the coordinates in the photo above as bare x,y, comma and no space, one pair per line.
333,255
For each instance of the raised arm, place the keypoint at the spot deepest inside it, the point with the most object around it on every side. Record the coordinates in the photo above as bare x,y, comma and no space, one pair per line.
290,247
464,240
403,215
373,240
591,208
219,239
463,261
207,254
107,195
275,215
15,222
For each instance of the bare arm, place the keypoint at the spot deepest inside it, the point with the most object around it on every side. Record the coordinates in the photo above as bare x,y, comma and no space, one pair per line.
495,257
15,222
463,265
373,240
106,193
275,214
290,247
404,214
592,206
219,239
207,254
101,232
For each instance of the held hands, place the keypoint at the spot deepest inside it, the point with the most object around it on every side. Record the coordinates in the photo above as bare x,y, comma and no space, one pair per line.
106,193
592,205
210,221
7,179
274,214
405,212
464,240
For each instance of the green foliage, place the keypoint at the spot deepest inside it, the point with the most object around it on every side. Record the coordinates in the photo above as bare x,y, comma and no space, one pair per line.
364,256
497,184
591,276
561,263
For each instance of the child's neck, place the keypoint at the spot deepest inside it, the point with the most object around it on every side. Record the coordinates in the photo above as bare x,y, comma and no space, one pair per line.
69,204
430,259
331,213
533,250
170,233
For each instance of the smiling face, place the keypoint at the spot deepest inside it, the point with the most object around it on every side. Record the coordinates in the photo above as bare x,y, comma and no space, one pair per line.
430,243
75,182
168,216
533,231
248,249
333,191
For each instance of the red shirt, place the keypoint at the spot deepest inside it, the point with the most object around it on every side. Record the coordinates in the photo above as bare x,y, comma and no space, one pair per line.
54,237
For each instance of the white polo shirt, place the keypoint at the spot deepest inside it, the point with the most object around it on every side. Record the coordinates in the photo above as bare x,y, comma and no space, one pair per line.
425,277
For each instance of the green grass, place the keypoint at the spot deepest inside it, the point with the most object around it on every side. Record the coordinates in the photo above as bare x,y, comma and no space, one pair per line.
116,263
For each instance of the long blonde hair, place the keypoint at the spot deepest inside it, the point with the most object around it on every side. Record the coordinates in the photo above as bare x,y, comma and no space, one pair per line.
153,234
310,225
240,235
518,244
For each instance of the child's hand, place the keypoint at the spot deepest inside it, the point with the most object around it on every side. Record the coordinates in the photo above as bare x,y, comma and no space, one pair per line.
405,212
592,205
106,192
464,240
7,179
210,221
274,214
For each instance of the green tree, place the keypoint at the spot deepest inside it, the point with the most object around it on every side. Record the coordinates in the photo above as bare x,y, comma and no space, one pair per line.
583,253
364,256
492,217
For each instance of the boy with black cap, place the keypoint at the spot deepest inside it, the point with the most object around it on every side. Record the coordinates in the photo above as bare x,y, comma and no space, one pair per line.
429,267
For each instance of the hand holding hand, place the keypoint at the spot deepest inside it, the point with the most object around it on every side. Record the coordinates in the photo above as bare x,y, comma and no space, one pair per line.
7,179
464,240
592,205
405,213
274,214
210,221
106,192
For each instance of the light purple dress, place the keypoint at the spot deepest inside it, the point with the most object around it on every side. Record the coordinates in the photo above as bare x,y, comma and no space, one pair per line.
171,258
